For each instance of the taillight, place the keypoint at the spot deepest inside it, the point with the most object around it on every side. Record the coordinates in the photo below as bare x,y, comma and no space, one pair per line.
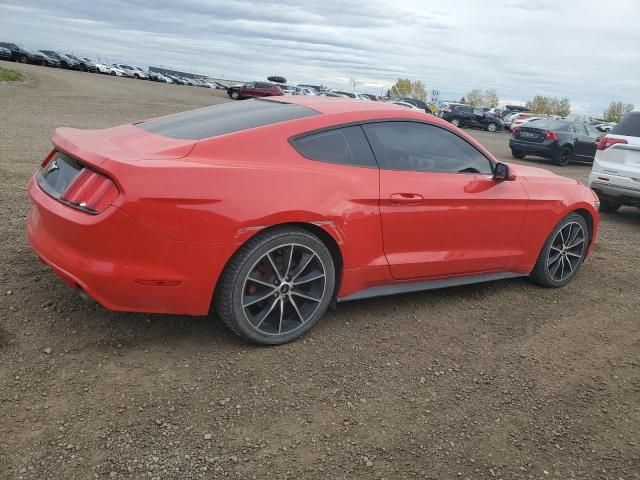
514,130
606,142
550,135
90,191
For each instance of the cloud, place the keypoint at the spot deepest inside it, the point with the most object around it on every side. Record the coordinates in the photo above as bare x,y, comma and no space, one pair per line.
518,47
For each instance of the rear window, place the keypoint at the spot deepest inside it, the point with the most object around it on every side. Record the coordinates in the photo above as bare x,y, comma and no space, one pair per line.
628,126
225,118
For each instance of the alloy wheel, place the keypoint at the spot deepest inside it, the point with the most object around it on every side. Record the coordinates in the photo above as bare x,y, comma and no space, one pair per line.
566,251
283,289
455,122
491,127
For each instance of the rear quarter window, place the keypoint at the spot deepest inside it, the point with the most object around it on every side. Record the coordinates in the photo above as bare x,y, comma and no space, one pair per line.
345,145
629,126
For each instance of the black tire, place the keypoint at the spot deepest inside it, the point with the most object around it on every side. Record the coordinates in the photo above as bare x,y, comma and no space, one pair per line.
543,271
564,157
23,59
234,94
232,299
609,206
517,154
136,76
113,73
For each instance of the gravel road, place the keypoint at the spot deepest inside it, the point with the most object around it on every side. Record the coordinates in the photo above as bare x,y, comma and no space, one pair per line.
498,381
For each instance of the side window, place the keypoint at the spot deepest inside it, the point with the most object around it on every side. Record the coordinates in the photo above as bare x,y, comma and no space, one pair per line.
250,85
421,147
346,145
592,131
478,111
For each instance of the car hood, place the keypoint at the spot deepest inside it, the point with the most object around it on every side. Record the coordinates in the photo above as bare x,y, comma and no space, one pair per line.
538,174
126,143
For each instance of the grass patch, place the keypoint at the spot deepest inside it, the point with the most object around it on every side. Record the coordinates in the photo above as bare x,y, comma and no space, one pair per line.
7,75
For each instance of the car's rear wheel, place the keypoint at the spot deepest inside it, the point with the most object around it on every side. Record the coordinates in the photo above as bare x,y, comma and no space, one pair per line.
455,122
277,286
113,73
235,95
564,157
563,252
23,59
609,206
517,154
492,127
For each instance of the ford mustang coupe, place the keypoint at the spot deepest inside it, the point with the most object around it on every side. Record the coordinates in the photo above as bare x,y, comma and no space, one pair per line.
269,210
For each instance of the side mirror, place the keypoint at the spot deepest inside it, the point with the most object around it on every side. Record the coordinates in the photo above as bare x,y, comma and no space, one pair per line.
501,173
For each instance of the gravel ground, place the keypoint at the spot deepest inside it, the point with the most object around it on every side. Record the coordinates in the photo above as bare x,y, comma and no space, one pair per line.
499,381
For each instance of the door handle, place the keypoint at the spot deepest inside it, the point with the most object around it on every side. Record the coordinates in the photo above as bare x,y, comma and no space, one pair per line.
405,198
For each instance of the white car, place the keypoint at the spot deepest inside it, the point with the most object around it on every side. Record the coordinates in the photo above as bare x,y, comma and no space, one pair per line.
518,122
407,105
109,70
615,175
130,71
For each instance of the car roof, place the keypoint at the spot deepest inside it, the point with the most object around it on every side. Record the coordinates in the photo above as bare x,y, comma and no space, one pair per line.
332,105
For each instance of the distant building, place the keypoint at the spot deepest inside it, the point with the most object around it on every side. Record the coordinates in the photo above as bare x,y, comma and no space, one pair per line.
168,71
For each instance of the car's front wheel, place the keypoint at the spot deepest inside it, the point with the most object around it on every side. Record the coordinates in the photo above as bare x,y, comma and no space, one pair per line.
563,252
277,286
564,157
235,95
492,127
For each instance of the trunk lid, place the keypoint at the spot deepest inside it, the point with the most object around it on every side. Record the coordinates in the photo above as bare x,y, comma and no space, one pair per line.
622,159
530,134
126,143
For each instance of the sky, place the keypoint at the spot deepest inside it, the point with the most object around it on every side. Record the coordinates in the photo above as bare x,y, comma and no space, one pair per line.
586,50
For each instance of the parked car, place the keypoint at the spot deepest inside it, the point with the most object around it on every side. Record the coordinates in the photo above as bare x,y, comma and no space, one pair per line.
131,71
604,127
219,86
65,62
254,89
520,120
343,93
308,91
86,64
158,77
616,167
46,60
406,105
315,201
317,88
559,140
517,117
467,116
19,53
5,53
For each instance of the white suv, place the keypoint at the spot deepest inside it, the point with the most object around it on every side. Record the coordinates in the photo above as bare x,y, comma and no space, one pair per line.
615,176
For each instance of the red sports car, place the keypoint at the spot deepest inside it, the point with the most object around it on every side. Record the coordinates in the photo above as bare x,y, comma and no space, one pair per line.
270,210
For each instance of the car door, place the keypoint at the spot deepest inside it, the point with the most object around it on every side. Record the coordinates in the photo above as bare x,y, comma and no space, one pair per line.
248,90
584,146
479,118
594,137
465,115
442,212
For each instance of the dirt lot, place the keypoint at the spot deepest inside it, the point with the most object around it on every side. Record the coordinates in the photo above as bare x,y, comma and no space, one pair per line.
502,380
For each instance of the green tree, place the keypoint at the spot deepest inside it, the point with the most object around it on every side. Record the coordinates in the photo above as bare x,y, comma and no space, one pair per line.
616,111
549,105
478,98
563,107
474,98
406,88
491,99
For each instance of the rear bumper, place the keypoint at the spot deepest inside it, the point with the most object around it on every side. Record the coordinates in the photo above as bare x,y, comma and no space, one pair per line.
623,189
121,264
540,149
